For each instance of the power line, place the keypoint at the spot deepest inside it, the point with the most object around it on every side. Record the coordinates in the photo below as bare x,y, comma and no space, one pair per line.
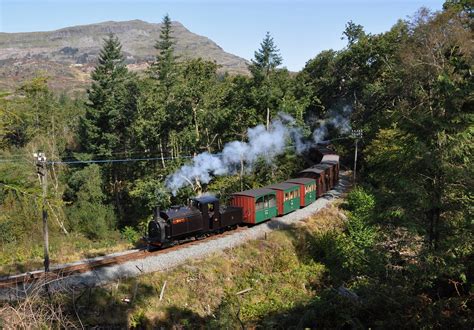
125,160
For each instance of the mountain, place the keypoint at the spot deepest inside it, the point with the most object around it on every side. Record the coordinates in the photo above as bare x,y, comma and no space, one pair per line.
68,55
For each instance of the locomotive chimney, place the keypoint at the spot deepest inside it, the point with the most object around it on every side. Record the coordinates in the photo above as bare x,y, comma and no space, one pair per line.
156,214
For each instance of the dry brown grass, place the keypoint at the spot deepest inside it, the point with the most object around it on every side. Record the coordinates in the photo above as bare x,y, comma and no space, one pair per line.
35,310
24,257
328,219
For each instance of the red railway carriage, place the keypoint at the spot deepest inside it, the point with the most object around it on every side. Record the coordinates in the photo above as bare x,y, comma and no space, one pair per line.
257,205
332,159
328,174
287,197
318,175
307,190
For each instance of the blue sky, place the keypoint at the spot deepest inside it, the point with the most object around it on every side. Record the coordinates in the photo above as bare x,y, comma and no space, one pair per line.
301,28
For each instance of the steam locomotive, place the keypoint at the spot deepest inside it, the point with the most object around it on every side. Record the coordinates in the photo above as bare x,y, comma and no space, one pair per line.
205,216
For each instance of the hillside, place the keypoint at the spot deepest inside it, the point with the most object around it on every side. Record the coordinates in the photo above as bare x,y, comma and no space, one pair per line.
68,55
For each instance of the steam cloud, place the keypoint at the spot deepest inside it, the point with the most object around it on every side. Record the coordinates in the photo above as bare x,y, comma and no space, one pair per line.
337,119
262,144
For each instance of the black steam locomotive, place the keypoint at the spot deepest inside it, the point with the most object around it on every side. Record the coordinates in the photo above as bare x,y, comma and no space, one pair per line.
204,216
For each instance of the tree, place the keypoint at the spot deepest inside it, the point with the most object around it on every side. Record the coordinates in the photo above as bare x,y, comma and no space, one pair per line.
262,67
353,33
105,129
163,68
432,128
266,59
88,213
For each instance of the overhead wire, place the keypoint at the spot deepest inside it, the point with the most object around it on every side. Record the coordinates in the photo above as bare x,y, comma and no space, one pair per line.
124,160
71,161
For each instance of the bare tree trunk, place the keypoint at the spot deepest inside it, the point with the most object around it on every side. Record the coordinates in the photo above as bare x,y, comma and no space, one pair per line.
241,172
196,126
162,156
268,118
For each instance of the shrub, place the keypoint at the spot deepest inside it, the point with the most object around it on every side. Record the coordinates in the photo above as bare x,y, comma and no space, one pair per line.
92,219
130,234
88,214
361,204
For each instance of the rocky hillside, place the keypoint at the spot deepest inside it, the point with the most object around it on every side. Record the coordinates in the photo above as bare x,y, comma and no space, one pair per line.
68,55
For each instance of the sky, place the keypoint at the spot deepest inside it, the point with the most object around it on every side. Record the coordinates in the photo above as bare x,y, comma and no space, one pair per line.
300,28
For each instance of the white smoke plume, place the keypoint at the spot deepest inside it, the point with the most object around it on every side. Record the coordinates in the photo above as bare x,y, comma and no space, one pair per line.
339,119
262,144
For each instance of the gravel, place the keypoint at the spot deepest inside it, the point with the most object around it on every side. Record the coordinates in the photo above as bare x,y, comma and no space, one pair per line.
173,258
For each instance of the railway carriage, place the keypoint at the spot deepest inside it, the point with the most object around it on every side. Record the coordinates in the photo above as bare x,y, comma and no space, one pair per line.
334,161
287,197
257,205
308,189
319,176
328,175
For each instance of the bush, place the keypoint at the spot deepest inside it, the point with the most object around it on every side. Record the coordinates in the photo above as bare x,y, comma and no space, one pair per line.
130,234
361,204
88,214
7,231
94,220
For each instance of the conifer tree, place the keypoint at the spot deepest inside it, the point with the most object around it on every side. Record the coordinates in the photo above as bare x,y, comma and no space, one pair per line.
111,107
263,67
267,58
105,129
163,67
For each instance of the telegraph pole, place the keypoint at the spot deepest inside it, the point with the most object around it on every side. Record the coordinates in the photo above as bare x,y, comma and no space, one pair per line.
356,134
42,175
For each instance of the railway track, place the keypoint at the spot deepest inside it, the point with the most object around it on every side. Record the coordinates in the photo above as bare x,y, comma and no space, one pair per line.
65,270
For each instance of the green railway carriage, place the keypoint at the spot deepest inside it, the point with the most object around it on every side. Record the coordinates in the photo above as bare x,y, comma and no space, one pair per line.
287,197
307,190
258,204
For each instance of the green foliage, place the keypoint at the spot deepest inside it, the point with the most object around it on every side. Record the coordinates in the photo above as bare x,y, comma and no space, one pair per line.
361,204
266,59
164,67
353,33
130,234
105,128
151,193
88,213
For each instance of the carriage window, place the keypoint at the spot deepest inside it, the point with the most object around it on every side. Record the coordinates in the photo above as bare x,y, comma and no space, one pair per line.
259,204
271,201
297,193
210,207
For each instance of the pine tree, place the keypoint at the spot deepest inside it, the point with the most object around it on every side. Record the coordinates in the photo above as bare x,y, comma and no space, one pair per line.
266,60
106,127
263,67
111,107
164,65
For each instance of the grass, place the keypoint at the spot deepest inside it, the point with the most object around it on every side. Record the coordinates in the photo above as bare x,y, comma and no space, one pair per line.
18,257
203,292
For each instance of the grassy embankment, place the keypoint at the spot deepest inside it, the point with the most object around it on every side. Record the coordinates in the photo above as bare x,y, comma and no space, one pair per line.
22,257
278,270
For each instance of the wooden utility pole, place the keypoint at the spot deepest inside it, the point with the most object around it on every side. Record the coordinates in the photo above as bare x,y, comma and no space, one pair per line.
42,175
356,134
